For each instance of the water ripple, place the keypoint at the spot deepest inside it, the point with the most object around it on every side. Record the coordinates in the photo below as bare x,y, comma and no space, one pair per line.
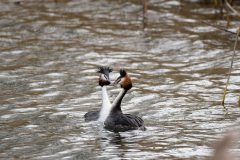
49,58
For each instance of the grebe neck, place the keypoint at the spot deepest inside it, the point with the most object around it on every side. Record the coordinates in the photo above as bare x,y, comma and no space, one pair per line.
106,105
116,106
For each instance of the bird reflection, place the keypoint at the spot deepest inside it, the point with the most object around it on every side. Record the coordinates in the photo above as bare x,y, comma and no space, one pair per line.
117,139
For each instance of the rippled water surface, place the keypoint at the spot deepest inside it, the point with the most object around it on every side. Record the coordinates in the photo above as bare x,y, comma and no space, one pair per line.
49,54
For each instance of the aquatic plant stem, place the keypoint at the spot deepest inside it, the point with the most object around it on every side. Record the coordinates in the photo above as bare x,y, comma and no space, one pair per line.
144,10
218,27
235,12
230,69
239,101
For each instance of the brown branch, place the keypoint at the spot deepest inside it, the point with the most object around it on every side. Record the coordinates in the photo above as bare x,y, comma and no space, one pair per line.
144,9
219,27
230,69
235,12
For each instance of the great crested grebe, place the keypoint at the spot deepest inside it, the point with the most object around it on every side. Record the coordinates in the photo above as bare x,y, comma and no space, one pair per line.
106,105
117,121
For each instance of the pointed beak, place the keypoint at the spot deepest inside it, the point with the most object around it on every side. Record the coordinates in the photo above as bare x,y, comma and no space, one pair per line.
116,81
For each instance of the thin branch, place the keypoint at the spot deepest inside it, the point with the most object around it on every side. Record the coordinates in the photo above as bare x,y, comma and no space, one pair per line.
235,12
144,9
219,27
230,69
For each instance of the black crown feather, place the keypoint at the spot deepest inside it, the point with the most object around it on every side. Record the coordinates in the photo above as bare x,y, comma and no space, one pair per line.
104,70
122,72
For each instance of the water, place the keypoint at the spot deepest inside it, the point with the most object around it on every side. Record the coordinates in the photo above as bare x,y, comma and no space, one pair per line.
50,51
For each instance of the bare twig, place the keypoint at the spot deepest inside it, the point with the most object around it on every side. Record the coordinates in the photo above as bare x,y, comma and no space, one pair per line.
235,12
230,69
219,27
239,101
144,8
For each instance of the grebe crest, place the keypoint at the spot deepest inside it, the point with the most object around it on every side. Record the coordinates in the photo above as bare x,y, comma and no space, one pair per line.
104,70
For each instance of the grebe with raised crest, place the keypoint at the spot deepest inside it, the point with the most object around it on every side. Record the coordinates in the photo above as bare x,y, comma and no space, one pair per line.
116,120
106,105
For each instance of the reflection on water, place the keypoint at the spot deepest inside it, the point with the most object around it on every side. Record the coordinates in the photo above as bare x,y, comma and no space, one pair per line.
49,54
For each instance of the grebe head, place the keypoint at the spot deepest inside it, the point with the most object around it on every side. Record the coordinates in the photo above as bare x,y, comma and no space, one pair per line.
104,76
124,80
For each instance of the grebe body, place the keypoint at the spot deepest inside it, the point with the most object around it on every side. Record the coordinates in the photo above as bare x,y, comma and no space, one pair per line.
117,121
91,116
101,114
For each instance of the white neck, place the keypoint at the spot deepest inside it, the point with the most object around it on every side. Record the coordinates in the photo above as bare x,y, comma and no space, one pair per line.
106,105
